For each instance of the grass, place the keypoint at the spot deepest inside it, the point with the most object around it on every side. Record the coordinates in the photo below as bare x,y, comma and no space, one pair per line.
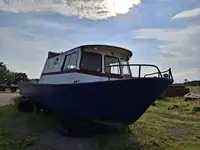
195,89
170,125
20,130
160,128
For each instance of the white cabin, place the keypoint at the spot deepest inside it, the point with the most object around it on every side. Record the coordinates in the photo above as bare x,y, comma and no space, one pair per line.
87,63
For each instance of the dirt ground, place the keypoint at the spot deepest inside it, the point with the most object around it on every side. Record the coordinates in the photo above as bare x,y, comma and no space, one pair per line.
50,140
6,97
53,141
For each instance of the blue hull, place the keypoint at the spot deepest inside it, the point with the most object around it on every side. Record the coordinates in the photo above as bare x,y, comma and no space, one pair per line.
121,101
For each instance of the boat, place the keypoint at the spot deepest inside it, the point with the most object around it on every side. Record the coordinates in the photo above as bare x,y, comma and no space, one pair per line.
95,82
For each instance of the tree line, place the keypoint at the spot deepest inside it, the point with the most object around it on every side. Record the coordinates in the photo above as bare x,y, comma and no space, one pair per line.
8,77
192,83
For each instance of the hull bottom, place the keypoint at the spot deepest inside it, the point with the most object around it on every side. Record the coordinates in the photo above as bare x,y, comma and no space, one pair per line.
82,128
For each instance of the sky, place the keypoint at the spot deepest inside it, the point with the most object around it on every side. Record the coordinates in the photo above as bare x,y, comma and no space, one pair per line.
161,32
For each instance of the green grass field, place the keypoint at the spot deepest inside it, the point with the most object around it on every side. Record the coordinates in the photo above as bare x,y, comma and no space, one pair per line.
195,89
160,128
20,130
170,125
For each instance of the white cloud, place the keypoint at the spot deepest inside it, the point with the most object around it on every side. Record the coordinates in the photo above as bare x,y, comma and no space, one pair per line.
177,48
178,42
24,51
187,72
47,24
187,14
92,9
168,35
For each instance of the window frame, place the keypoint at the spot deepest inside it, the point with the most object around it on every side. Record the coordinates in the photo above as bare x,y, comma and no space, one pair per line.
65,58
91,53
129,68
111,67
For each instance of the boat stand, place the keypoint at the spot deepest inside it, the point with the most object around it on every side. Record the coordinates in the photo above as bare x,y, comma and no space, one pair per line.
24,105
83,128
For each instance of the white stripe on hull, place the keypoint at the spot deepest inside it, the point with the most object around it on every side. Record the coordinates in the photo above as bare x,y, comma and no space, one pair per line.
69,78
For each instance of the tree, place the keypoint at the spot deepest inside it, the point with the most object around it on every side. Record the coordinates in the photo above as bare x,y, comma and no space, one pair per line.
185,80
20,77
8,77
3,72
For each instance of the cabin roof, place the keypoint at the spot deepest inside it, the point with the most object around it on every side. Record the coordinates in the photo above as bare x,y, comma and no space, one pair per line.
110,46
129,53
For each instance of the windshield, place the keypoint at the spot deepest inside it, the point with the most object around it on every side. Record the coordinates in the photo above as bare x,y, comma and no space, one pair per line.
126,68
109,61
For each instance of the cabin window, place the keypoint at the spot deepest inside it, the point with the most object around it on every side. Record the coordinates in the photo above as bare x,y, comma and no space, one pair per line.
126,68
91,61
70,61
109,61
56,61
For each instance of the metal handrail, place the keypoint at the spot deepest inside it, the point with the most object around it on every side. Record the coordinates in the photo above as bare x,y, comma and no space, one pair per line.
145,65
169,73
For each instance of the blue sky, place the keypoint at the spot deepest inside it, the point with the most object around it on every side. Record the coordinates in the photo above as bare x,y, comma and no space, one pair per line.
162,32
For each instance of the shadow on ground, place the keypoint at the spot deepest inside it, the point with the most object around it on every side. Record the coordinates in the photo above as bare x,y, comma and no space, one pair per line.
36,131
53,141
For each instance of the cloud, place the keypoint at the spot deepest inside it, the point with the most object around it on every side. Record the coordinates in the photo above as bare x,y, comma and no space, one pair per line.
23,50
181,43
176,48
191,74
47,24
91,9
190,71
187,14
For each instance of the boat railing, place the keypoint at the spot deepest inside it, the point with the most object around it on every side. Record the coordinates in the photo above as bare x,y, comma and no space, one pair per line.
160,74
168,74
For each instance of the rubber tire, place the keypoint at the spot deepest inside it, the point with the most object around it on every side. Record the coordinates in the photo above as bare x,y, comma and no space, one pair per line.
2,89
25,106
80,128
13,90
75,128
